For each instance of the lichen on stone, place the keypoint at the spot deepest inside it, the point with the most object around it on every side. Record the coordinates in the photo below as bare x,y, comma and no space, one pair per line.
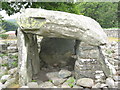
31,24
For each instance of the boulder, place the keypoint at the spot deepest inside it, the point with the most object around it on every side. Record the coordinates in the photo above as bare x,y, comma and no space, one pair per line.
46,84
85,82
59,24
4,78
64,73
110,82
51,75
57,81
32,85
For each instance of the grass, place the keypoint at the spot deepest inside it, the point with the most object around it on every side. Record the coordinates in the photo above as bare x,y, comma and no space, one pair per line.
71,81
113,39
4,36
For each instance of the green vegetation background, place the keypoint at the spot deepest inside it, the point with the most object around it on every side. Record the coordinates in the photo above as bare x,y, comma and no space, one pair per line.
103,12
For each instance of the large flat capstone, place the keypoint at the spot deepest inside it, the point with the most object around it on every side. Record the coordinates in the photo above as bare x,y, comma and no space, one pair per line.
59,24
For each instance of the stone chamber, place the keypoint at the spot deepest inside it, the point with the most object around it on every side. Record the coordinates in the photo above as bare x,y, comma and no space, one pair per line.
67,43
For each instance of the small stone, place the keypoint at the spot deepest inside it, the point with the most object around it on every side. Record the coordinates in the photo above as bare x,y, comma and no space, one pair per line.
97,85
12,71
113,43
75,86
64,73
116,78
110,82
57,81
1,85
85,82
52,75
87,89
103,85
24,87
46,84
32,85
4,78
117,84
65,85
10,82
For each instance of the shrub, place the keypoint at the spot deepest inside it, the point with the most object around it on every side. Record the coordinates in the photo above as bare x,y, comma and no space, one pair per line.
4,36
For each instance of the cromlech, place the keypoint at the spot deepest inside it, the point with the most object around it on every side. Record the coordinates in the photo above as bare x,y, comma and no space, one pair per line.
68,39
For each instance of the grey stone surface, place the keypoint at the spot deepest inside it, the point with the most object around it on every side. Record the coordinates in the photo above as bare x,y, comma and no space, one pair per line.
5,78
10,82
75,86
12,48
13,71
62,25
32,85
29,61
85,82
110,82
46,84
97,85
57,81
65,85
64,73
116,78
56,51
2,86
3,47
51,75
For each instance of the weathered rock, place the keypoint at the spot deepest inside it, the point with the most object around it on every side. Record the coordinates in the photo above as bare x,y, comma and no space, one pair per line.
57,51
46,85
85,82
64,73
4,78
83,68
3,47
32,85
24,87
97,85
75,86
52,24
29,61
51,75
2,86
62,25
13,71
116,78
110,82
10,82
65,85
12,48
3,70
103,85
57,81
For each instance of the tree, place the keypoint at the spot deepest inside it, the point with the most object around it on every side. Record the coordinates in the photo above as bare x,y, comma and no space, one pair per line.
103,12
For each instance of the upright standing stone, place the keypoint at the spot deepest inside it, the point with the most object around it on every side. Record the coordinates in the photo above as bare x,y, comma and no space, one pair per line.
29,62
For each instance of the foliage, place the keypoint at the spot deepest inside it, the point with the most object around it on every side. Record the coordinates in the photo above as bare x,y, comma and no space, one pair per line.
3,54
9,26
4,36
103,12
15,64
71,81
34,80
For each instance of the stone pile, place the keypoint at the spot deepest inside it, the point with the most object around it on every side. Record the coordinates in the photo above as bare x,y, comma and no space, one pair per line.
8,66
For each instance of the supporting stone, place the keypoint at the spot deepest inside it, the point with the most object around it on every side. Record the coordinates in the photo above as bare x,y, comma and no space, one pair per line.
89,60
29,62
